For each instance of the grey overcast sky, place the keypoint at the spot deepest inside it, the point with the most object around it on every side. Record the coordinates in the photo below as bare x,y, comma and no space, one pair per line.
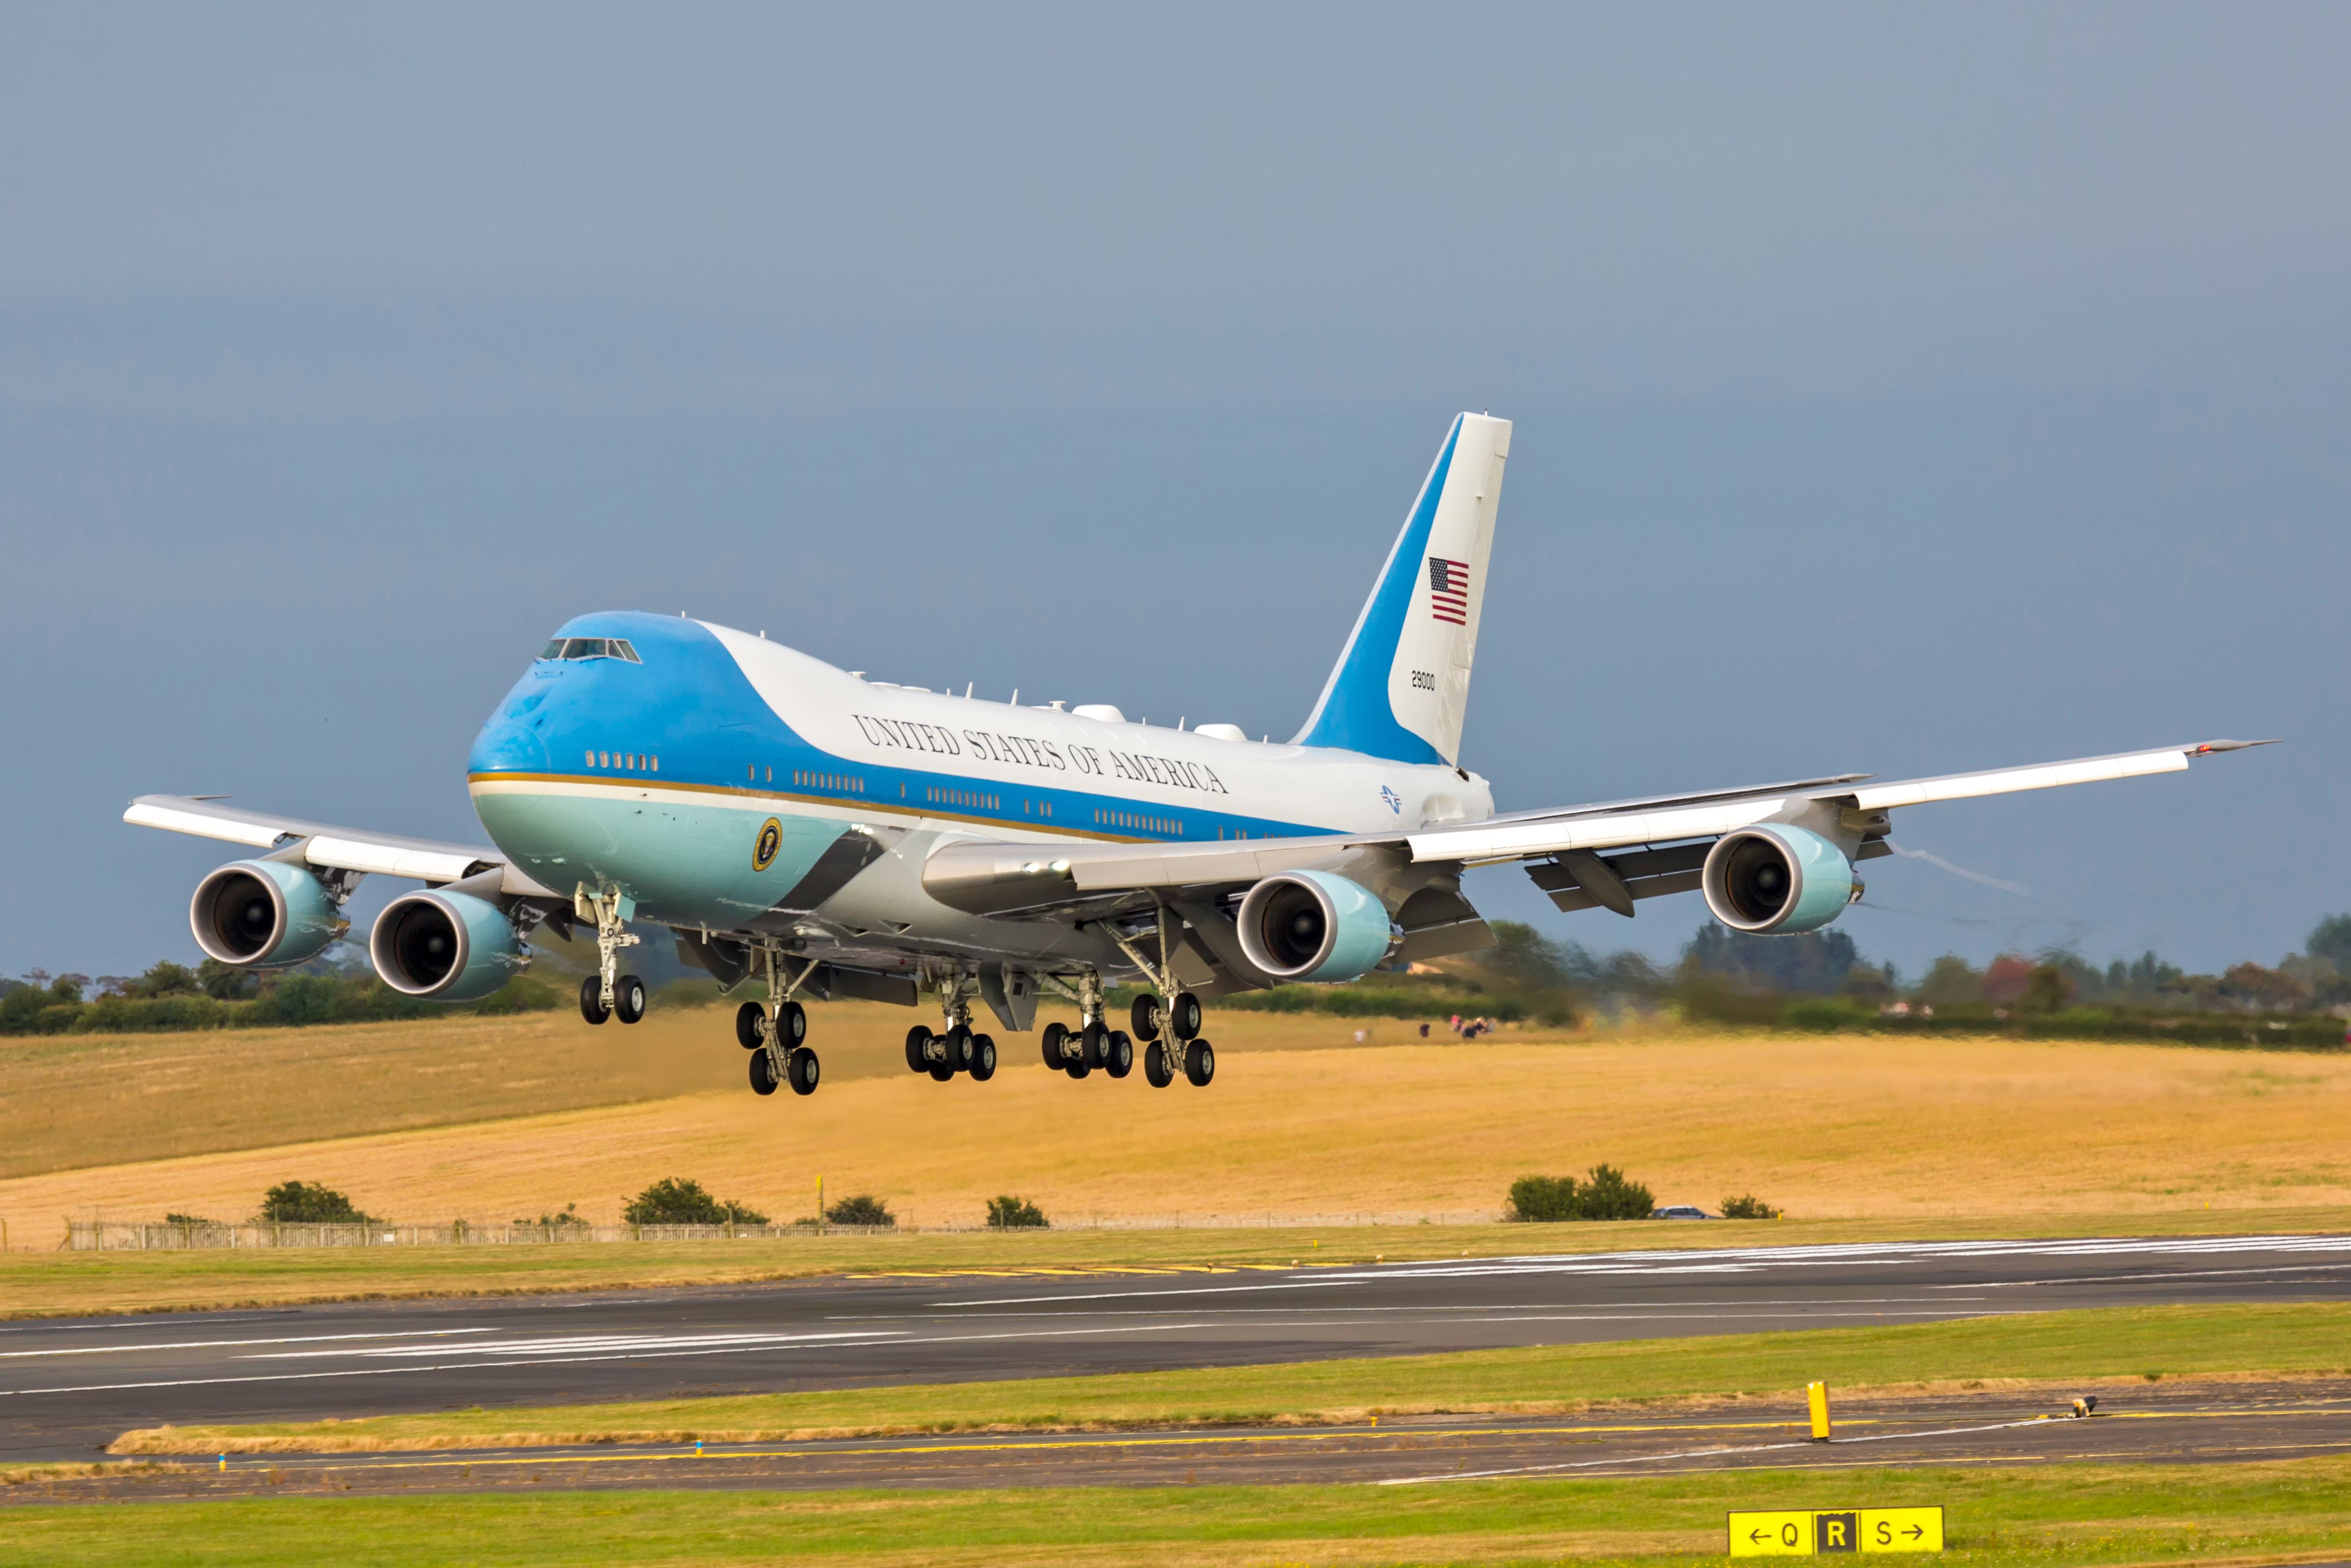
1896,389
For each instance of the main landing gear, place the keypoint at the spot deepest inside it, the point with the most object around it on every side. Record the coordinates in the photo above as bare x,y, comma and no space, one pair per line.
954,1047
608,993
775,1032
1167,1023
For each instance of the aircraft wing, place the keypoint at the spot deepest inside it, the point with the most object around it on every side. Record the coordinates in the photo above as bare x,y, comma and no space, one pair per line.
1084,880
330,848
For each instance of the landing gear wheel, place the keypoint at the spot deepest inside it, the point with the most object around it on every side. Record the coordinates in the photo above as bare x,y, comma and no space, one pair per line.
941,1071
801,1068
1143,1018
791,1025
1118,1054
1056,1033
1154,1065
1183,1018
959,1048
1199,1063
918,1050
1090,1045
750,1025
763,1072
983,1057
591,1001
1078,1069
628,998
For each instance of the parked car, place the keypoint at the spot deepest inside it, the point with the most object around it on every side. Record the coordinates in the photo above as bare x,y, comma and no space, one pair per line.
1680,1211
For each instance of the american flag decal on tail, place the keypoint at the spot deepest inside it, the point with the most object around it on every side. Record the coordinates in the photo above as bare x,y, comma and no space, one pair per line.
1449,590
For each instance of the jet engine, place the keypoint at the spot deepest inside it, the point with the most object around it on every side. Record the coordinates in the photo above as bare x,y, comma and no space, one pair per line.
445,947
1313,926
1776,878
264,914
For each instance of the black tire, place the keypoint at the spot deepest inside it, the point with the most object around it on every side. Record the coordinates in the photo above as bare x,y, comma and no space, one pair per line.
983,1057
750,1031
941,1071
591,999
959,1048
1154,1065
1183,1018
1200,1063
1118,1054
791,1026
801,1068
1077,1070
763,1072
1055,1033
1143,1019
918,1050
629,998
1090,1045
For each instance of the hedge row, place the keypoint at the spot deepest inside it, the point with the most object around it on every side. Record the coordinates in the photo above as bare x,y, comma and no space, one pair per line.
292,1002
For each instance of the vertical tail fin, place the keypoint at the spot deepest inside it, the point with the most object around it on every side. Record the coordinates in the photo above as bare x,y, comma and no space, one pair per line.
1401,688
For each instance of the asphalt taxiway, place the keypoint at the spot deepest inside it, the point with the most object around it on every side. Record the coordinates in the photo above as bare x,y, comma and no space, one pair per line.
67,1387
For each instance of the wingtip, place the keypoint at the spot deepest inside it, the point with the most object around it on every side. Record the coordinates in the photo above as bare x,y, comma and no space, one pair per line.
2213,747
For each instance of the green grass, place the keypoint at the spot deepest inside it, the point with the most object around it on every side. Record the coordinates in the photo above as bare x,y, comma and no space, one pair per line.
2061,1514
2078,1347
49,1283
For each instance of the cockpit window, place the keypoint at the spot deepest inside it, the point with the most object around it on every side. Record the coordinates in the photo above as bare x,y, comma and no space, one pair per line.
592,648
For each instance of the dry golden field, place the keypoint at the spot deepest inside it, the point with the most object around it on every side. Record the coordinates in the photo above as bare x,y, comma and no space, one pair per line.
1297,1126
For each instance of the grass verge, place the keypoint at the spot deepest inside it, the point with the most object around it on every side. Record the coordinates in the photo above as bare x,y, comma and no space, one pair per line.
2075,1514
56,1284
2080,1347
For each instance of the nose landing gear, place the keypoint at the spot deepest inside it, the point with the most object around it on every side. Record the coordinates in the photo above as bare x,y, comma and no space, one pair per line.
608,993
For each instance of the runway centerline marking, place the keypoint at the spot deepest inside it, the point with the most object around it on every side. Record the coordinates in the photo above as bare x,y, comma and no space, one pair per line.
872,1339
1139,1295
221,1343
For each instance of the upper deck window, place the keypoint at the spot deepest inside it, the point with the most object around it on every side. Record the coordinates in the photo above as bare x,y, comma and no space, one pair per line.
590,648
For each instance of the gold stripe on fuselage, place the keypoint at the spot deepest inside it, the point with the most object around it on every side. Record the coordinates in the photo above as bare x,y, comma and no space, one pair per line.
864,803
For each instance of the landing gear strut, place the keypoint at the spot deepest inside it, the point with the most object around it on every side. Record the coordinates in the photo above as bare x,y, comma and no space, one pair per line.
1094,1043
954,1047
774,1033
608,993
1168,1022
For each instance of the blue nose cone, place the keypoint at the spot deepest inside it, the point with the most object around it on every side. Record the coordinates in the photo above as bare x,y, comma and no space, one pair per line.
515,738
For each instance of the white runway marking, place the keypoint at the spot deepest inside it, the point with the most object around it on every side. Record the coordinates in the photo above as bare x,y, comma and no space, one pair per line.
221,1343
875,1340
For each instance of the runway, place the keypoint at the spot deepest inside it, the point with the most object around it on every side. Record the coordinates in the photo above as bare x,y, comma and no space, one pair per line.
68,1386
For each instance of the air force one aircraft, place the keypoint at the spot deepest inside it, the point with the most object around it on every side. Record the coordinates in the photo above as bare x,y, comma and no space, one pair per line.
831,836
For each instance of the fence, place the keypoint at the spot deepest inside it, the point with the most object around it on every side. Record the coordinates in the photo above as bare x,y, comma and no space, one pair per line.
134,1236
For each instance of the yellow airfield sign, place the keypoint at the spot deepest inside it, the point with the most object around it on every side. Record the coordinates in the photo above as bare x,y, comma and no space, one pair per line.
1806,1533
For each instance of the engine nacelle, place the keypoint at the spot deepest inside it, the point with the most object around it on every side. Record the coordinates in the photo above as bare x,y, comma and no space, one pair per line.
1776,878
1313,926
264,914
445,947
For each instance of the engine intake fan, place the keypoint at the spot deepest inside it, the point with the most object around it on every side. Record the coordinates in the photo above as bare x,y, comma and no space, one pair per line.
264,914
1776,878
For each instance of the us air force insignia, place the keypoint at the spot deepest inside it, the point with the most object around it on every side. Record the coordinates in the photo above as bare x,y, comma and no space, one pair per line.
771,839
1394,800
